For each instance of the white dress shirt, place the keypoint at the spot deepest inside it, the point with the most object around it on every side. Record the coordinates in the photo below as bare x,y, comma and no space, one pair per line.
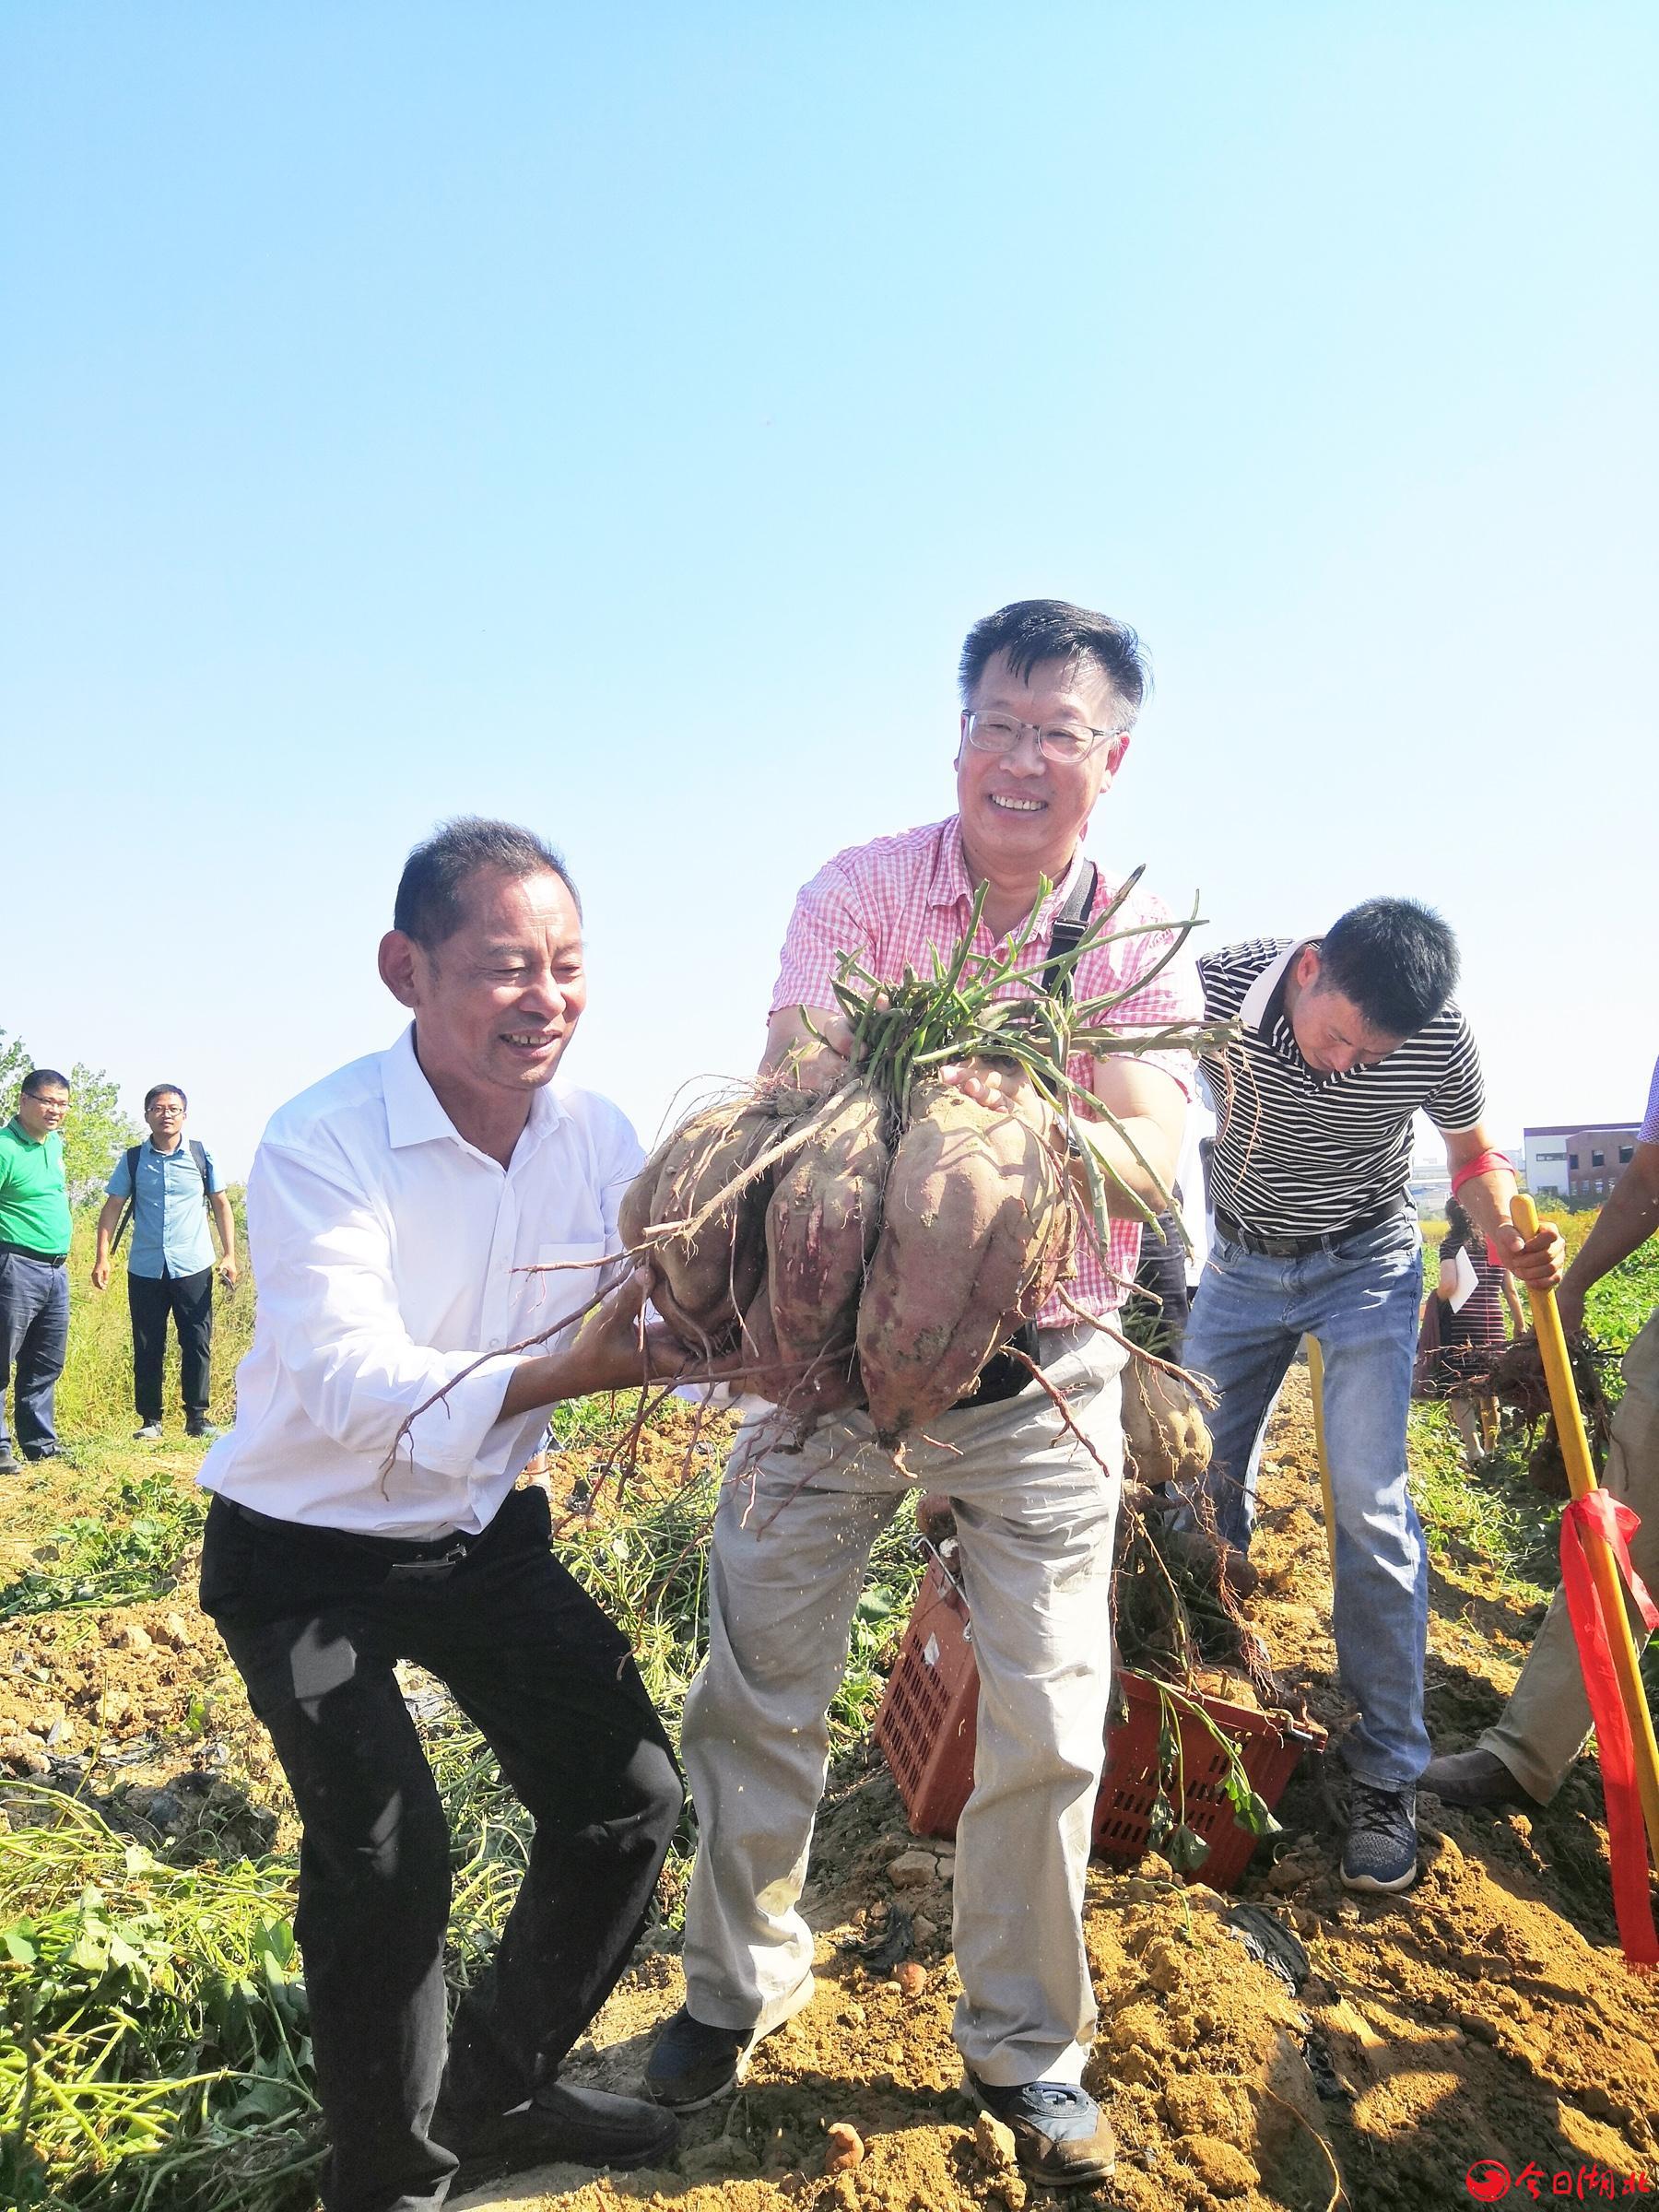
388,1254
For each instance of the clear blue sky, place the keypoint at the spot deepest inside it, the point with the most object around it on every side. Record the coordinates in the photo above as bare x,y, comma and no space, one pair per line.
613,418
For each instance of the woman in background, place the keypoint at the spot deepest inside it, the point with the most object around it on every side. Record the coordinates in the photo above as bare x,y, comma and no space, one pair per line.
1473,1290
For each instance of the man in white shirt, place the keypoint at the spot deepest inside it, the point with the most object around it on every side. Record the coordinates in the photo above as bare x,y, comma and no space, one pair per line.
365,1511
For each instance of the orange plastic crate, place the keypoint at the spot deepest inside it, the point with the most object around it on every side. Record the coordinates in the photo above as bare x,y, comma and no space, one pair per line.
927,1724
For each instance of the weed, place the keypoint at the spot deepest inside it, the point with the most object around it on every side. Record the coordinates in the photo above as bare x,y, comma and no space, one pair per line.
155,2055
130,1549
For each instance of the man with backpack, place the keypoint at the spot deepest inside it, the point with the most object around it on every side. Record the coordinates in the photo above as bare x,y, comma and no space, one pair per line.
165,1189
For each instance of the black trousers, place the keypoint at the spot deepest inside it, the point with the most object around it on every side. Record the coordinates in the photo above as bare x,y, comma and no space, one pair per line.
189,1298
314,1620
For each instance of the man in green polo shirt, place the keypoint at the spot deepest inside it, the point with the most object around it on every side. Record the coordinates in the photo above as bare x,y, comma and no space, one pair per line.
34,1282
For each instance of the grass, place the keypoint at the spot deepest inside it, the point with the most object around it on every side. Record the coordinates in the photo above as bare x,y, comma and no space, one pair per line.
95,1392
128,1551
155,2057
1498,1511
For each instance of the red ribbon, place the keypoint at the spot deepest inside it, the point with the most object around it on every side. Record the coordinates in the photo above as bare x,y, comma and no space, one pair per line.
1483,1163
1626,1832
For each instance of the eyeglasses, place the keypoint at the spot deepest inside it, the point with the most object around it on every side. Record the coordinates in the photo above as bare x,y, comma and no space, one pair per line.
1058,742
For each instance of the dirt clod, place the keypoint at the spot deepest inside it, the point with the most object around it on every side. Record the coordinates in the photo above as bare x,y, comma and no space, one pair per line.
912,1869
994,2143
844,2148
1221,2167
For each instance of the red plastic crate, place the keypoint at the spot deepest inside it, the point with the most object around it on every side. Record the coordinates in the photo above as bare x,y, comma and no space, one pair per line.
927,1724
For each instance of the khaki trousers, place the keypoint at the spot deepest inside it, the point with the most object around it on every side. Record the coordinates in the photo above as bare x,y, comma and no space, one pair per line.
1541,1727
1035,1518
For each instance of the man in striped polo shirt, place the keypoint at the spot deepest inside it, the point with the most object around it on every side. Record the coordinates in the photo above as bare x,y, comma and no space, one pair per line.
1344,1039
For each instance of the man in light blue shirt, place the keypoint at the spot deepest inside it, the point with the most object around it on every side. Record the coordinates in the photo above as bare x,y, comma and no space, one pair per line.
172,1188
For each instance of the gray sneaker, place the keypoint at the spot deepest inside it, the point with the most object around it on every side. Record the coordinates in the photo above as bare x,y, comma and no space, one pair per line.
149,1434
9,1462
1380,1853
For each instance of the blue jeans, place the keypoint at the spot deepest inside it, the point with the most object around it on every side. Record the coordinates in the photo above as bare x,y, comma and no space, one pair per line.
1360,1296
34,1338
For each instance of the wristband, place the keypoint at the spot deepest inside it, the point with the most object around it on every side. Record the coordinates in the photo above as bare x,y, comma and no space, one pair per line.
1483,1163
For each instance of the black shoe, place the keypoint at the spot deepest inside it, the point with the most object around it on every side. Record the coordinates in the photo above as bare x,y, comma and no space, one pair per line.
199,1425
9,1462
562,2125
39,1452
1381,1854
691,2063
1060,2136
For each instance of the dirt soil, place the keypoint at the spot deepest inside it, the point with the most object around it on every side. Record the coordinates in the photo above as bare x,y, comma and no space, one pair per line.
1486,2016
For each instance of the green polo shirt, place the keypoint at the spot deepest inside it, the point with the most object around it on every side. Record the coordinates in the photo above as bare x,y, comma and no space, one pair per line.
34,1199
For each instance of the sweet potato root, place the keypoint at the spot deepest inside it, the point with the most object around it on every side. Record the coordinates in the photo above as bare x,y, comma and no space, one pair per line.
821,1226
1164,1428
973,1232
705,1280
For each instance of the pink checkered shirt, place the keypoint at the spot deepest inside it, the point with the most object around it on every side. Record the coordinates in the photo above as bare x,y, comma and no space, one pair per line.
892,902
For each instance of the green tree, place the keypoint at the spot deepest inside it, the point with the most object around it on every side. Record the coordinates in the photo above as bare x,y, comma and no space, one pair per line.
15,1064
96,1128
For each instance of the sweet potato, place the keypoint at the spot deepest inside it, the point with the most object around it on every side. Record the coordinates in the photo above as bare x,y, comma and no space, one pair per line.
804,1389
705,1279
821,1225
973,1232
1164,1429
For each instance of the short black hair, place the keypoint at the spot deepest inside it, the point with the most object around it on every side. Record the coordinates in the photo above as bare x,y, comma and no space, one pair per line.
1031,631
41,1079
429,907
165,1090
1396,959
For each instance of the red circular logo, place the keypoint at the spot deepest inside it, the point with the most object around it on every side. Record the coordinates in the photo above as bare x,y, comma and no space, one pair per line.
1487,2179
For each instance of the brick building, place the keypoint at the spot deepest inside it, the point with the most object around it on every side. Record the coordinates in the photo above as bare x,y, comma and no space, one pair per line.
1580,1159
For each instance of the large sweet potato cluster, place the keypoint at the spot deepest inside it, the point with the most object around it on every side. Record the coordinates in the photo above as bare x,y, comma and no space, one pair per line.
850,1258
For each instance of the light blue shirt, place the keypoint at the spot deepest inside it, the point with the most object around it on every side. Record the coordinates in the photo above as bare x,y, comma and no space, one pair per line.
170,1234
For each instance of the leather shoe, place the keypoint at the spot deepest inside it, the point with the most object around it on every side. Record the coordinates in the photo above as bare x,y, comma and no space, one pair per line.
1472,1778
692,2063
561,2124
1061,2137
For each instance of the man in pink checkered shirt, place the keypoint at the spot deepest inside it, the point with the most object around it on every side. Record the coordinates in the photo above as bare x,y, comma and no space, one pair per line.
1050,694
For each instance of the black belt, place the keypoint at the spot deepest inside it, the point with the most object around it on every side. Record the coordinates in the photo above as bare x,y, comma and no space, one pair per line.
1298,1248
28,1252
407,1558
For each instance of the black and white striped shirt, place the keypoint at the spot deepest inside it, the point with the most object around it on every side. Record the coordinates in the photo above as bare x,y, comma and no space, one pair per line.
1299,1153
